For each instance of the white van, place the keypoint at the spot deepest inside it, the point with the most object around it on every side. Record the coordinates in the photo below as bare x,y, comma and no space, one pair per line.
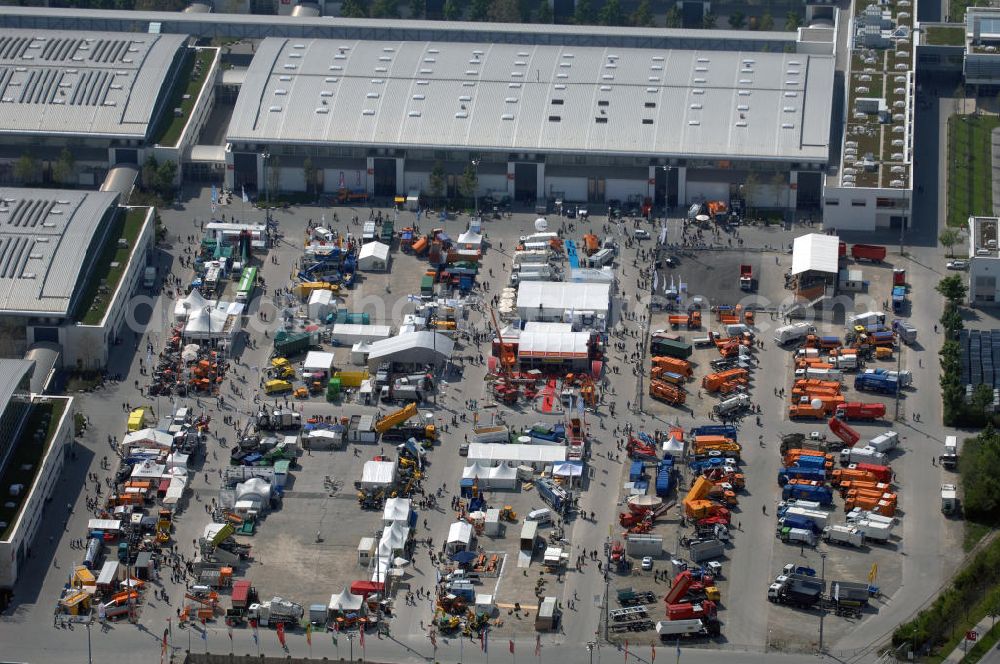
601,258
543,515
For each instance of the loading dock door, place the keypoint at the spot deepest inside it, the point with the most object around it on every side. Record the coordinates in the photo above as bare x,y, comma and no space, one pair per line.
526,183
385,177
660,187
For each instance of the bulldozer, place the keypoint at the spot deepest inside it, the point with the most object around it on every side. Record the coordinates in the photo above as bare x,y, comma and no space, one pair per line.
508,514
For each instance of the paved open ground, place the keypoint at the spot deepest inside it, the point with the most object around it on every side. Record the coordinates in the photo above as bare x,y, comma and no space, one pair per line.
289,561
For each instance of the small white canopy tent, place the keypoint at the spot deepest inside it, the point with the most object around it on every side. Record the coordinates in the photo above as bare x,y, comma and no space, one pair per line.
190,304
397,510
377,474
345,602
459,537
373,257
673,446
470,240
254,490
221,322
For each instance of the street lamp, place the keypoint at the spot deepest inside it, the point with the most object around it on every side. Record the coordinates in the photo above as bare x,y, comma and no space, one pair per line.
822,609
590,649
475,187
266,158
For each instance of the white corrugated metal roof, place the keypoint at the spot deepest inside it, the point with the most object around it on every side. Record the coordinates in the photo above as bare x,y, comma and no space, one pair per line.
553,344
11,374
564,296
815,252
83,83
45,237
546,98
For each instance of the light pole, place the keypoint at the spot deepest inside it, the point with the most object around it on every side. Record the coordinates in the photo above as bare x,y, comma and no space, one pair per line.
475,187
822,609
266,158
90,654
590,649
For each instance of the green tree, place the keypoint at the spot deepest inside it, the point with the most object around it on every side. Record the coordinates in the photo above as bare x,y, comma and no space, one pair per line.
385,9
792,21
478,10
611,13
437,180
979,466
418,8
709,20
504,11
642,17
354,9
951,319
737,20
148,174
469,183
544,13
766,22
948,239
166,173
309,171
584,13
674,17
26,169
952,288
64,170
452,11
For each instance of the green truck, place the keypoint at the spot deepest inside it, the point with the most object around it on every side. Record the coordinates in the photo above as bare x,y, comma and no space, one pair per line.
387,233
427,286
665,346
287,344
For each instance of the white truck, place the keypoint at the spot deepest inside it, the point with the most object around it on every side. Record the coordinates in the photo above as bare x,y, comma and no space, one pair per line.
866,319
857,515
850,455
819,374
732,404
538,257
818,517
844,362
275,610
532,273
875,531
949,457
844,535
885,442
949,498
797,536
490,435
808,505
794,332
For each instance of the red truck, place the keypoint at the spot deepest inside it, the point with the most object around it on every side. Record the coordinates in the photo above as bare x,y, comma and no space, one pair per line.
857,410
746,277
883,473
869,252
844,432
705,609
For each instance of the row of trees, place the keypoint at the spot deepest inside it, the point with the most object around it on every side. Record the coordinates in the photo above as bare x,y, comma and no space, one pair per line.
28,170
522,11
958,411
158,177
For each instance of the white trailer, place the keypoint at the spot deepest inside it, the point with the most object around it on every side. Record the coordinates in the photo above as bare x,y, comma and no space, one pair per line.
818,517
844,535
845,361
819,374
850,455
490,435
884,442
794,332
875,531
866,319
857,514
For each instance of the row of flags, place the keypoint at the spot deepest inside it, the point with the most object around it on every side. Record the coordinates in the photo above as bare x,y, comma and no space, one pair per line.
215,197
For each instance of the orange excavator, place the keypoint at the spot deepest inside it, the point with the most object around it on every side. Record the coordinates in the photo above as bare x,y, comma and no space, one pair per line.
504,388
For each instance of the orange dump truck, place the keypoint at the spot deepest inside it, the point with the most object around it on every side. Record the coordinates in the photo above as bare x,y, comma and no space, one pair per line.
714,381
673,365
842,475
664,391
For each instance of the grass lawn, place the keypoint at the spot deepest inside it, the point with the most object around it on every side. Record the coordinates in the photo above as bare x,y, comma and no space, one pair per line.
956,8
969,167
939,36
28,452
111,266
189,84
973,533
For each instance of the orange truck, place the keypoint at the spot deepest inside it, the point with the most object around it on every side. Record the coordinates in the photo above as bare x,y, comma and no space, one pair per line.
842,475
673,365
876,487
664,391
805,407
714,381
883,507
591,244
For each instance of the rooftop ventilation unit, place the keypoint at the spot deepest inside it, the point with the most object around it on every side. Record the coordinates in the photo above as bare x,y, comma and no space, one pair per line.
368,111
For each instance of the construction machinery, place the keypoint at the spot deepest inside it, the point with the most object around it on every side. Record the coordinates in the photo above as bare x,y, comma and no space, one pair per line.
664,391
844,432
725,381
395,418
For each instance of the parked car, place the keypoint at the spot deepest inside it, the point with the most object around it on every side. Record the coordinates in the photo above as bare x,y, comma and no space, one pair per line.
958,265
640,234
647,563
